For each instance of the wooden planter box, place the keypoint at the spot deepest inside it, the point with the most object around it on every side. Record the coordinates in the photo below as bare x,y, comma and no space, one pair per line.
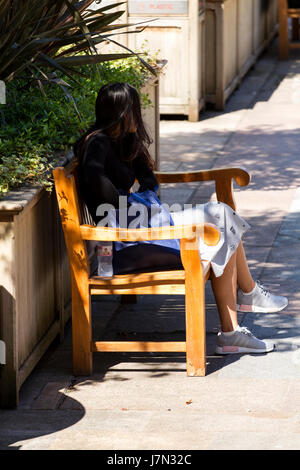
177,32
35,287
34,272
151,116
237,31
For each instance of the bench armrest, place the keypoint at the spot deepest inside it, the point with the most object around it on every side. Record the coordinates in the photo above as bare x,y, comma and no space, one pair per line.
223,178
208,232
240,175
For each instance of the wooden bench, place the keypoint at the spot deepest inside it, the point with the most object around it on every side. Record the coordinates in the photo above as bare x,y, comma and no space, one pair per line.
284,13
189,282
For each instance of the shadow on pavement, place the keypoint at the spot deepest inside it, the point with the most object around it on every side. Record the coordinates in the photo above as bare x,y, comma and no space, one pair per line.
19,426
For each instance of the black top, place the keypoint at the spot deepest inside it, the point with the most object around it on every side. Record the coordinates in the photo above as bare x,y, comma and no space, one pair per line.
102,173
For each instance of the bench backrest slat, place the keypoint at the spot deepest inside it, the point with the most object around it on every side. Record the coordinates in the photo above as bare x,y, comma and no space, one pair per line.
71,217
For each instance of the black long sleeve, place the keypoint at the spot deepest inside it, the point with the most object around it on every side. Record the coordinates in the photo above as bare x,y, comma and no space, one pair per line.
99,184
102,174
144,174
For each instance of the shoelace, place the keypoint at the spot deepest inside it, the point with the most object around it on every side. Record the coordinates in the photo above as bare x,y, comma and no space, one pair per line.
244,329
262,288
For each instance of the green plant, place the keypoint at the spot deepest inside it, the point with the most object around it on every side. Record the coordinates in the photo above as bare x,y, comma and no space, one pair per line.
21,166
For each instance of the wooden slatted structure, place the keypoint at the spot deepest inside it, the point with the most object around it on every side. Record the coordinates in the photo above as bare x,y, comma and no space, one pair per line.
284,13
189,282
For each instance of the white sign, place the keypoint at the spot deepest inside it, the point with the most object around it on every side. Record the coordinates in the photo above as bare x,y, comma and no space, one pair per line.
2,93
2,352
158,7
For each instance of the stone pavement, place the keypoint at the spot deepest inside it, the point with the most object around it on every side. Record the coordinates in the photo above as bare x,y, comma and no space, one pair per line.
138,401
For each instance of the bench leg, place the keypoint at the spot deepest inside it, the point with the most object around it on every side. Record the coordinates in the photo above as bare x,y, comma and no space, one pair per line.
81,330
195,317
283,33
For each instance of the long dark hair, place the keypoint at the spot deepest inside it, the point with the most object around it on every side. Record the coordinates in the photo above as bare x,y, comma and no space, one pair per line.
117,108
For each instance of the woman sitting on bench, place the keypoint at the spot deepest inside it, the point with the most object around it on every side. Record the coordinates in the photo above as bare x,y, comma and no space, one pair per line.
112,154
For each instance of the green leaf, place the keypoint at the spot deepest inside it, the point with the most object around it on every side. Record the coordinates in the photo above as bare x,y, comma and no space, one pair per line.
43,32
56,66
90,59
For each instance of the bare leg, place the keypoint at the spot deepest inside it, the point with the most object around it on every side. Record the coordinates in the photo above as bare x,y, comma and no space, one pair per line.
244,278
224,288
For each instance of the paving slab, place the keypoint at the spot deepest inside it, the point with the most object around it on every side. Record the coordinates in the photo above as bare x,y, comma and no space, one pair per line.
255,440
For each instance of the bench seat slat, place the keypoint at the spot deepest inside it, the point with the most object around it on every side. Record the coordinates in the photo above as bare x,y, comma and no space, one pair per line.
158,282
138,346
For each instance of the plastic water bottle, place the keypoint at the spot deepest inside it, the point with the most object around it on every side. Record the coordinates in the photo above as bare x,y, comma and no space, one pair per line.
105,256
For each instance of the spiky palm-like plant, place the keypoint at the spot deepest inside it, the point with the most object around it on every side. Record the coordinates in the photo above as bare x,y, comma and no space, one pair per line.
38,35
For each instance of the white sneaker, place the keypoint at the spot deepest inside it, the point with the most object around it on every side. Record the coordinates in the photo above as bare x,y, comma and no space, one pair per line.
260,300
242,341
